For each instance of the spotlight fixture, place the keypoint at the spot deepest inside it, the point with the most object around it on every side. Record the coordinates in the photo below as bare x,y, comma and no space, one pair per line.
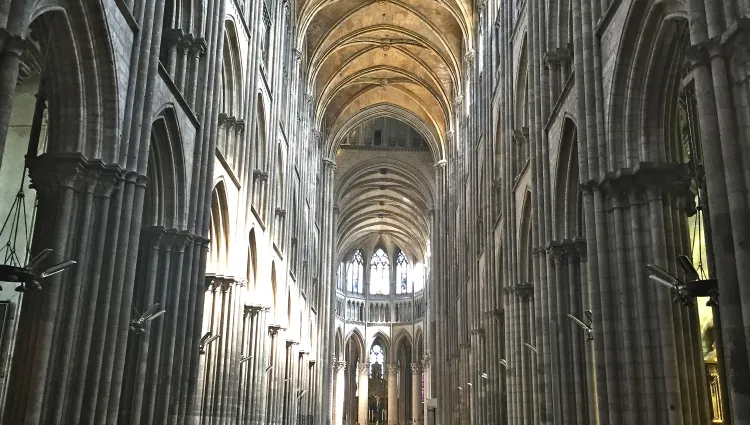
504,363
690,289
138,324
484,376
30,277
587,327
205,341
301,393
531,347
269,367
244,359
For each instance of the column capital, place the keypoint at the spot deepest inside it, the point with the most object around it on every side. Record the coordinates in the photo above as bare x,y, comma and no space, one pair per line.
363,368
416,368
49,173
297,55
441,164
339,366
469,56
392,368
274,330
10,43
329,163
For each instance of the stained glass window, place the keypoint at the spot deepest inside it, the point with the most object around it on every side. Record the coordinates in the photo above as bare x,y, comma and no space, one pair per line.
355,272
377,361
405,284
379,270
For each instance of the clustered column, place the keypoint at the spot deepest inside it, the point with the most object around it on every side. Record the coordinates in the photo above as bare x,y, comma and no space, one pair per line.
363,393
392,394
339,390
416,393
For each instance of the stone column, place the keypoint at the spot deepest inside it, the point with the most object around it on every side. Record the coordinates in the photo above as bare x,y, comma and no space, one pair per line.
12,46
392,394
427,383
338,407
416,393
364,378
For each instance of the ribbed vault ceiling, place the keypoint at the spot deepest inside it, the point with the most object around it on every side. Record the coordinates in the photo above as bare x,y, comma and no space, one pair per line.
367,55
384,200
385,58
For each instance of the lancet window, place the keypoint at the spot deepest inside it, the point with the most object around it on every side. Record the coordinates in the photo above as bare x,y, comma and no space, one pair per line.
404,282
355,273
377,361
379,273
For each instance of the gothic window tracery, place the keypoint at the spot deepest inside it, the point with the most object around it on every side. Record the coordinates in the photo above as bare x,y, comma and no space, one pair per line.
405,284
377,361
355,272
379,271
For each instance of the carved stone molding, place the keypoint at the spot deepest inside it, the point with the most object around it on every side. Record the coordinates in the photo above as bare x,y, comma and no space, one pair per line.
364,369
664,177
524,291
254,310
172,36
521,136
221,283
274,330
339,366
416,368
260,175
329,163
49,173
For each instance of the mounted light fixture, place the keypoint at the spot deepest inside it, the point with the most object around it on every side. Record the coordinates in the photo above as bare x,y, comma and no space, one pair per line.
205,341
587,327
690,289
138,325
16,223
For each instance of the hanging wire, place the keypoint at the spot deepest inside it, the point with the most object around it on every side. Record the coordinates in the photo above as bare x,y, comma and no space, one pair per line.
18,208
694,163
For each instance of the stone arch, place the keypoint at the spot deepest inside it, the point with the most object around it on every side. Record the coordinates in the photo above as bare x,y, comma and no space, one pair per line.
81,115
419,344
165,192
219,230
261,135
273,296
232,71
385,342
252,261
402,337
339,345
647,75
355,346
426,129
567,190
526,239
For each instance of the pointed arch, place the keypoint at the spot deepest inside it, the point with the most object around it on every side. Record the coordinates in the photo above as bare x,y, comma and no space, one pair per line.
526,239
219,230
567,189
355,346
165,192
252,261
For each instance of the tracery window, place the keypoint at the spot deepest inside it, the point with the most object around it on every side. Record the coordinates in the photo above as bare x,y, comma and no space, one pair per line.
379,270
377,361
355,273
404,283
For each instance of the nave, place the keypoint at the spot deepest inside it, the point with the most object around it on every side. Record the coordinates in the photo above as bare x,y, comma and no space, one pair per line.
371,212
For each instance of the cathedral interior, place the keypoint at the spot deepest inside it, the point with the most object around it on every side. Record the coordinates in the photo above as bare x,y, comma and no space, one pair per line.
374,212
